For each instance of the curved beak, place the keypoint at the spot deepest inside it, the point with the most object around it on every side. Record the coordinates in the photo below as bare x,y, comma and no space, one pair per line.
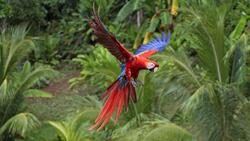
153,69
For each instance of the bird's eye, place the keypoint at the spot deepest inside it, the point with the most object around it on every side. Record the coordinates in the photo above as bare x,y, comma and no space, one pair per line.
150,65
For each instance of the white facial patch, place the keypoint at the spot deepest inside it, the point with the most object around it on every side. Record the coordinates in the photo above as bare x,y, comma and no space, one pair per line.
150,65
155,69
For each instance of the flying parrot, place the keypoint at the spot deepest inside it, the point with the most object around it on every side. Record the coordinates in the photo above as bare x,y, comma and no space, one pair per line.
123,89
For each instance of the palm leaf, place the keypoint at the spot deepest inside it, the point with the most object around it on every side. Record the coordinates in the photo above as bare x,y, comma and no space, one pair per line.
74,128
20,124
14,46
99,61
152,129
207,37
34,76
127,9
37,93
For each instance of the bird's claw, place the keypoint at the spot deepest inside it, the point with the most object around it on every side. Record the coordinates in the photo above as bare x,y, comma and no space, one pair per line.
133,83
139,82
136,82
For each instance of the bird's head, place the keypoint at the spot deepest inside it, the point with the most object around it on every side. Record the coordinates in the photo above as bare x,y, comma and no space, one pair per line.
152,66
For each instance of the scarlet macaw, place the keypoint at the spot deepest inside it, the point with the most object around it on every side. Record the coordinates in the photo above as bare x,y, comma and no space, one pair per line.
121,90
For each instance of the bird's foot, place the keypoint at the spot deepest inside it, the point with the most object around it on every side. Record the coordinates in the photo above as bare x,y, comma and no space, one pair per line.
139,82
136,82
133,83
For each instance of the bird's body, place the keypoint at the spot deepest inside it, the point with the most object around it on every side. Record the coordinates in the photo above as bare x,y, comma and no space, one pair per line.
138,63
123,89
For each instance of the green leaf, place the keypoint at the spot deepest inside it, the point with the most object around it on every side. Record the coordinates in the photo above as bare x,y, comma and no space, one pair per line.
154,23
235,35
208,38
61,128
14,47
26,68
37,93
128,9
152,129
169,132
20,124
4,91
164,18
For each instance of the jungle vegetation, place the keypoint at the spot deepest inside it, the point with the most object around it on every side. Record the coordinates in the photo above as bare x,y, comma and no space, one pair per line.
52,72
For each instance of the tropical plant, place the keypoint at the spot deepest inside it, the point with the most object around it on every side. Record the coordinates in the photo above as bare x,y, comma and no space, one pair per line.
20,125
6,9
16,82
214,81
71,130
75,126
201,91
94,66
47,50
152,129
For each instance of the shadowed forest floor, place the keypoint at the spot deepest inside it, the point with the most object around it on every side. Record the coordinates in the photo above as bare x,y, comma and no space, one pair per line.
63,98
61,85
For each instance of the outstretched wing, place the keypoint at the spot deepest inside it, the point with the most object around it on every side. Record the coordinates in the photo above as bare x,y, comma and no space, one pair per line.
108,40
156,45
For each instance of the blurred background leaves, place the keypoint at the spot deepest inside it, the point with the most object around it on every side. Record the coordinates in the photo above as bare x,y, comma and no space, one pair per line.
200,93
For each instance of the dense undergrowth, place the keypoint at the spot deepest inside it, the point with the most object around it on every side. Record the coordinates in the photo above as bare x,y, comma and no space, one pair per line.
200,93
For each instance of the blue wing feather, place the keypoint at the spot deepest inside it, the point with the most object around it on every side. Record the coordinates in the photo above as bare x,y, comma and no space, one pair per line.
122,66
158,44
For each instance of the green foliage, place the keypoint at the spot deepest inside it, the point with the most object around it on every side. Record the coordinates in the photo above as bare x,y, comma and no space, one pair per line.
37,93
207,36
27,10
198,92
20,124
153,130
6,9
127,9
201,91
16,81
235,35
76,115
44,132
216,99
47,50
14,47
95,66
169,132
70,131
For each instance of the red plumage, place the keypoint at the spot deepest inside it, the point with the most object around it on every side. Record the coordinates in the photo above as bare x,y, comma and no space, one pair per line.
108,40
123,89
118,95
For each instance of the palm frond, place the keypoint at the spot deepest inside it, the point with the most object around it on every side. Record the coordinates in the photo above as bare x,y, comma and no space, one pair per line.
14,46
181,59
238,61
34,76
212,107
22,81
208,38
73,129
96,68
127,9
20,124
37,93
241,119
152,129
62,129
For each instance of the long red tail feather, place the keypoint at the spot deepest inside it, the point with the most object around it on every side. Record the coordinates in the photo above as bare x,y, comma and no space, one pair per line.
118,96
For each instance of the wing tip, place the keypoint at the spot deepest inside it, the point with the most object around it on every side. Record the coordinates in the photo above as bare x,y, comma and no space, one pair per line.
165,38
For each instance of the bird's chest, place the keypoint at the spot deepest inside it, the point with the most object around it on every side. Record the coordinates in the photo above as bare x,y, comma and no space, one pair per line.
135,66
